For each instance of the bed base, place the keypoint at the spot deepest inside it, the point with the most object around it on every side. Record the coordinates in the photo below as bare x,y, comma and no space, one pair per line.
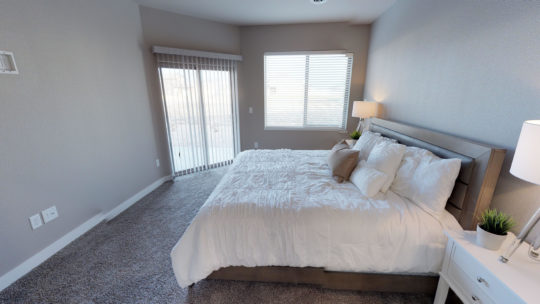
331,279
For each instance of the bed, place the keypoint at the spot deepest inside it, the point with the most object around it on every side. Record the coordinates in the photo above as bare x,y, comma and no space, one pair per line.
278,216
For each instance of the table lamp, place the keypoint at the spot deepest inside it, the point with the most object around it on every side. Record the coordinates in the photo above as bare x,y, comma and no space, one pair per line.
526,166
364,109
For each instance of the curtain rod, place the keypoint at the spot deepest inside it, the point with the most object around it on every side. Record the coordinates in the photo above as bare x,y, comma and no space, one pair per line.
184,52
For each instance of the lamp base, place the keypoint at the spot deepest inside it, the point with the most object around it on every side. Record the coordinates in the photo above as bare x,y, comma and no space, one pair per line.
359,126
363,124
534,255
521,238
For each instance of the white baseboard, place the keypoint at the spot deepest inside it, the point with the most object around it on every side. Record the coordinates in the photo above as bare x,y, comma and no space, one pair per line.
135,198
25,267
40,257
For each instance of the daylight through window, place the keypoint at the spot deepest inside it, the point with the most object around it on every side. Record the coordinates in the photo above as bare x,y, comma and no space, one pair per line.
307,90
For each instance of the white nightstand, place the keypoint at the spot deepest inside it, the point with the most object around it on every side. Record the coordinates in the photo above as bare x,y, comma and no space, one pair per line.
476,275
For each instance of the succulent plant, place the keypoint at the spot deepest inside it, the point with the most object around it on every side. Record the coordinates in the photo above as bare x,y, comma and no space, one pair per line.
355,135
496,222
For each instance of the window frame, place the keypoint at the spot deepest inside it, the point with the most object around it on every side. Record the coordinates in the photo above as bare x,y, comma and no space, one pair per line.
305,127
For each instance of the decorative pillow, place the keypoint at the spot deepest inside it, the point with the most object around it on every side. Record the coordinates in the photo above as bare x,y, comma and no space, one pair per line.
342,161
366,142
426,179
386,157
368,180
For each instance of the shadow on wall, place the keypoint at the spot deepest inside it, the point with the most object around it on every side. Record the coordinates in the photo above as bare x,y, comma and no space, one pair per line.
513,195
156,108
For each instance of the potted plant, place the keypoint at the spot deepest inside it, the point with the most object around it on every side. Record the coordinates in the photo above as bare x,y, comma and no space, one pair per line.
493,228
354,136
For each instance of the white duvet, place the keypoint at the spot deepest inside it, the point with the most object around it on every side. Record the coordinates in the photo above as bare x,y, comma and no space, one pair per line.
282,208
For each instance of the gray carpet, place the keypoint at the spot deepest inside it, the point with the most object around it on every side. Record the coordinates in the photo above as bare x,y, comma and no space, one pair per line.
127,261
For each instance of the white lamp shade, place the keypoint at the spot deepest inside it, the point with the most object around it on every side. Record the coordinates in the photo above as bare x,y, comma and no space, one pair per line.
365,109
526,162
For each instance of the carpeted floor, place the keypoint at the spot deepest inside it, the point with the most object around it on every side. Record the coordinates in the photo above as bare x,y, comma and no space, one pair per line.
127,261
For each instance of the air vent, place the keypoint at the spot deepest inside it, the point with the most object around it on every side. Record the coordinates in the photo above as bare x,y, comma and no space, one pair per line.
318,2
7,63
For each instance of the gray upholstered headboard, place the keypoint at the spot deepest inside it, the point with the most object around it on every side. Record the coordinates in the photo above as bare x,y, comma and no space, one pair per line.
480,166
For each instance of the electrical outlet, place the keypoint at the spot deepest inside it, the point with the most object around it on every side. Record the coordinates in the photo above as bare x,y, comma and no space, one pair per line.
250,110
35,221
49,214
157,162
256,145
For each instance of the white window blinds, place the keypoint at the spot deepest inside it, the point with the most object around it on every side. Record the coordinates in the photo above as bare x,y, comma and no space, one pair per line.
200,99
307,90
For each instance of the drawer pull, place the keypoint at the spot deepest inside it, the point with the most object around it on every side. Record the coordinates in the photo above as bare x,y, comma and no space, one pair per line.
481,280
475,298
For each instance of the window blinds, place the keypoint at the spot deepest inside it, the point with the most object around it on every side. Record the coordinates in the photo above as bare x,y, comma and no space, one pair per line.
200,101
309,90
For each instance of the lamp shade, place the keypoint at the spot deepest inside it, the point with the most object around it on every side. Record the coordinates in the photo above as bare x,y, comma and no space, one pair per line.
526,162
365,109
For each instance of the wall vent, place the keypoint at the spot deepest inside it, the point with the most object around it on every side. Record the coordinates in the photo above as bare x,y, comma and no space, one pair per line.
7,63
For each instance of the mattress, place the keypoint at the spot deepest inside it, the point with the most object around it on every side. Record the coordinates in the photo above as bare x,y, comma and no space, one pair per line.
282,208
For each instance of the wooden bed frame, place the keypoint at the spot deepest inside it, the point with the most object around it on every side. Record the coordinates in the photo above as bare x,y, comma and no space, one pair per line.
472,194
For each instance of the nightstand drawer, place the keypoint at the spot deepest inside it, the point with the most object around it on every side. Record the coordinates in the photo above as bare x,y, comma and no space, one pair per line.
480,278
466,288
476,275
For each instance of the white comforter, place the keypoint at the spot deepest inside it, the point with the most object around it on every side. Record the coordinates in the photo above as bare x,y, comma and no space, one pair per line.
281,207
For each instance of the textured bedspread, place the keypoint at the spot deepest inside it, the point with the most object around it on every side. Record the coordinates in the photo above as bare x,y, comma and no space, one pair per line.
281,207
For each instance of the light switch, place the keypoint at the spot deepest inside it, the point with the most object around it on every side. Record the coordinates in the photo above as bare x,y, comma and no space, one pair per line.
7,63
35,221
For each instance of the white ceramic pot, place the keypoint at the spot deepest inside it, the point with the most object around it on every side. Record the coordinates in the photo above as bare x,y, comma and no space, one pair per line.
489,240
350,142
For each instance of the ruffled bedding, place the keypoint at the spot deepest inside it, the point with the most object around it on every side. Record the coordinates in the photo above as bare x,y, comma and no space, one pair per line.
282,208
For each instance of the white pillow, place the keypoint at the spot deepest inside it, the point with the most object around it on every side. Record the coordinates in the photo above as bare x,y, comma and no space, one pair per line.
426,179
386,157
403,182
365,143
368,180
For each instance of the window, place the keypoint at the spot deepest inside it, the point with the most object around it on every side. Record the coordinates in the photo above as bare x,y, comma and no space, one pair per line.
199,95
307,90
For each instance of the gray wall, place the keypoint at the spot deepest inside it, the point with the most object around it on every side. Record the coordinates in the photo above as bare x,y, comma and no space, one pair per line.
469,68
76,125
165,29
255,40
168,29
174,30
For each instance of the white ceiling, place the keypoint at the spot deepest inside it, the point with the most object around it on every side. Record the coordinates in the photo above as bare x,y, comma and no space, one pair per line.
256,12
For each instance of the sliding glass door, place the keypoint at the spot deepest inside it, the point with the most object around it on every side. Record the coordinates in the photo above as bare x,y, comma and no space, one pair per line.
200,100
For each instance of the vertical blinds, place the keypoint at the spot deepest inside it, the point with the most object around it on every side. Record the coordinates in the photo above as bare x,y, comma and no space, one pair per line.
200,99
308,90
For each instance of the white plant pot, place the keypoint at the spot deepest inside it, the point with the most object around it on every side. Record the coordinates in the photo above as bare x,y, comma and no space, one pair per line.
350,142
489,240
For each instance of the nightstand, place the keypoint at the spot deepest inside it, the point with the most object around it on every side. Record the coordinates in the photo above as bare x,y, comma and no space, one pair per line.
476,275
